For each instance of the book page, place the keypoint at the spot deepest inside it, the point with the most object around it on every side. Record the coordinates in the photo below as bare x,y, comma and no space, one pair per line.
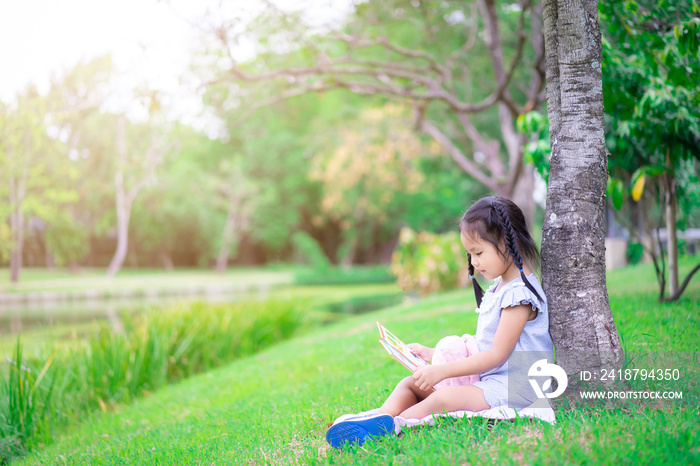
399,350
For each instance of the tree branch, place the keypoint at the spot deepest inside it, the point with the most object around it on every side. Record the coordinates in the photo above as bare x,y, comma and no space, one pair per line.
289,94
421,78
458,155
489,149
680,290
376,69
536,96
493,43
355,42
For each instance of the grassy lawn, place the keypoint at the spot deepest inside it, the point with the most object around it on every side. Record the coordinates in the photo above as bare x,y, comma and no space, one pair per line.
273,408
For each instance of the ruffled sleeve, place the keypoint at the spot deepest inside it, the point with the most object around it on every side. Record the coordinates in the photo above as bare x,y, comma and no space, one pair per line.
520,294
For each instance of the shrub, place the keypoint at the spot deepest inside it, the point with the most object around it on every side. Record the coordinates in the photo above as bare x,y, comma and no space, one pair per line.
427,263
309,251
635,253
341,276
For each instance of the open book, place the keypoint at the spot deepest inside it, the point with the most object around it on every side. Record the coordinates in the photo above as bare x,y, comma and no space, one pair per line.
399,350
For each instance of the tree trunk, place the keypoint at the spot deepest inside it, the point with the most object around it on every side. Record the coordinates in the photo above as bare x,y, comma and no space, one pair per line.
671,237
125,197
123,215
227,235
573,237
16,227
50,262
16,255
133,255
167,261
349,258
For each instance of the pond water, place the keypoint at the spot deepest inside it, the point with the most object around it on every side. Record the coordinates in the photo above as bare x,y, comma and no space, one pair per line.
20,318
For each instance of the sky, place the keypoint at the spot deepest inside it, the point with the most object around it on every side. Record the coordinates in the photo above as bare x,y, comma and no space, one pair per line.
40,37
151,41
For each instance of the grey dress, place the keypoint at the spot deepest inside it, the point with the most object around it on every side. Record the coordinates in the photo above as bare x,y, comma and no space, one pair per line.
535,343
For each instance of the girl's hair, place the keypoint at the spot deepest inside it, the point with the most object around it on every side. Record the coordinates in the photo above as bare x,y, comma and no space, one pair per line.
496,219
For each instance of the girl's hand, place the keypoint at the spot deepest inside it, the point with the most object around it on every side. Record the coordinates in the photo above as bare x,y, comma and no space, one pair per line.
428,376
423,352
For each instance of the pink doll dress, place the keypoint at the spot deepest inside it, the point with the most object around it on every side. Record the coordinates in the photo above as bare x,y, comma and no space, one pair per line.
454,348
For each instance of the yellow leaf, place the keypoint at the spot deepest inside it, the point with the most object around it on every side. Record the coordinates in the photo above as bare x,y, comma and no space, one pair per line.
638,188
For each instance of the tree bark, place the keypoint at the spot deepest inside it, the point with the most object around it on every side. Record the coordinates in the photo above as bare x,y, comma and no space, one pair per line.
573,237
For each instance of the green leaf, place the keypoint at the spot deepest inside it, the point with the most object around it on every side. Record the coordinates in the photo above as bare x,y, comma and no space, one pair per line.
616,192
618,195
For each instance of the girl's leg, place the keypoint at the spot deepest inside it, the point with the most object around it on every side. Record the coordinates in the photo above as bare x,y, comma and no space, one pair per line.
448,399
405,395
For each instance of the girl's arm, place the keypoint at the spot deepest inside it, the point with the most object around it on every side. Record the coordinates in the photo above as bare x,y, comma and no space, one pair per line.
510,327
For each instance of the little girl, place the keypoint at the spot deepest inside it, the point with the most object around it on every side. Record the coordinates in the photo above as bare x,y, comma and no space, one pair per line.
513,317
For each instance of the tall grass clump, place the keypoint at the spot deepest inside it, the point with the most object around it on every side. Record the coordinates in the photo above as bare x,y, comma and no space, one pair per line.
24,400
156,347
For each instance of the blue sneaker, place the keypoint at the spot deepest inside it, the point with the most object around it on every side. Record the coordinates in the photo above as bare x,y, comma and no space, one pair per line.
356,429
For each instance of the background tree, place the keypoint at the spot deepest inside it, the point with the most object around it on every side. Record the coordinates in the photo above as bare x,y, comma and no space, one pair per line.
66,240
78,99
440,59
573,236
137,158
652,100
176,220
34,165
275,147
236,195
124,153
24,141
366,173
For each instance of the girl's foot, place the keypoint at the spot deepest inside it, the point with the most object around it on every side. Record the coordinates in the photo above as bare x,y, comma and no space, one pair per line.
345,417
356,429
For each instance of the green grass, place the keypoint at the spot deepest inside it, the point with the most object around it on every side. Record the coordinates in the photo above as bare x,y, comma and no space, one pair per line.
273,407
159,345
46,393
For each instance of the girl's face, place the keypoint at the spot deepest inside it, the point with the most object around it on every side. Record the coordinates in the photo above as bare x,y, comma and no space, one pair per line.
485,257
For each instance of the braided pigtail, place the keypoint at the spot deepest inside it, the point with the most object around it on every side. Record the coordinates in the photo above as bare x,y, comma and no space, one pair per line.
478,291
512,244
